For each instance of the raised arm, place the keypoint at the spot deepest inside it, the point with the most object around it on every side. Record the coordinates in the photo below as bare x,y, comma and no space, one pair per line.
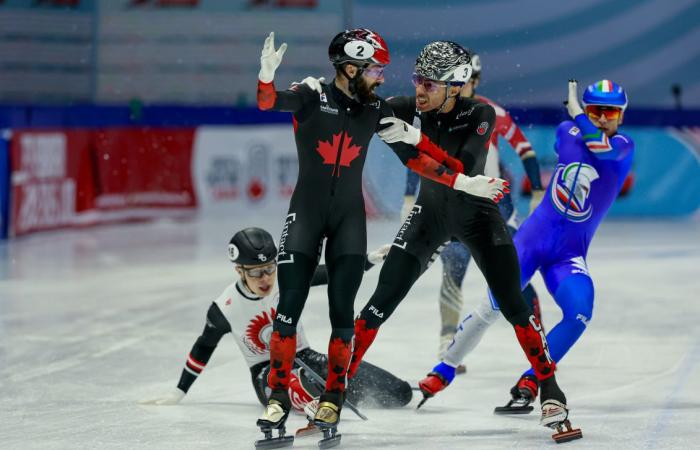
616,147
292,100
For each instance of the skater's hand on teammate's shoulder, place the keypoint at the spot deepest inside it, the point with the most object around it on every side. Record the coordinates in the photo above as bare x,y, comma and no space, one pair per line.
536,199
313,83
481,186
572,104
378,255
270,59
173,397
398,131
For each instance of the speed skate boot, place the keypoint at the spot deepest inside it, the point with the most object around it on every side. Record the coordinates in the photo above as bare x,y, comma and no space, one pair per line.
282,351
437,380
327,418
555,414
522,394
274,418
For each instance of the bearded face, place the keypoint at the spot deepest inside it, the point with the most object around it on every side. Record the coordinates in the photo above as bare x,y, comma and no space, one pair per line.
365,89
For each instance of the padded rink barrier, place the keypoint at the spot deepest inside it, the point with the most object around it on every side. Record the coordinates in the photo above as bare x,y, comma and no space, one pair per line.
65,178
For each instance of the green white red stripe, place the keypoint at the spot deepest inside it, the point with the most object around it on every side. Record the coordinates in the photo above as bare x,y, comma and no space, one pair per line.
604,86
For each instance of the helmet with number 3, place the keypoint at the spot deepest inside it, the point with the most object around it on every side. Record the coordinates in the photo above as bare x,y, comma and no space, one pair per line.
444,61
360,46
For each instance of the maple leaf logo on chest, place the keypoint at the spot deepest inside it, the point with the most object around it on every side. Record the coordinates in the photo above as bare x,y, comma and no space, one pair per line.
329,151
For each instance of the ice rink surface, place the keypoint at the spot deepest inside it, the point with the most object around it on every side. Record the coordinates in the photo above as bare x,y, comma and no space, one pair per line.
93,320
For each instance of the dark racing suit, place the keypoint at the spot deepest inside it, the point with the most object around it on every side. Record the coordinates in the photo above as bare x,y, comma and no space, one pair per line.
332,133
440,215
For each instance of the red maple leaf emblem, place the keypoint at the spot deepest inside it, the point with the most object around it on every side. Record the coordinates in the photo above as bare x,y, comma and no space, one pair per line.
329,151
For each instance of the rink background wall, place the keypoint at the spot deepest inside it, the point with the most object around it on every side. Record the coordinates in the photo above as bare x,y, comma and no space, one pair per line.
207,52
85,176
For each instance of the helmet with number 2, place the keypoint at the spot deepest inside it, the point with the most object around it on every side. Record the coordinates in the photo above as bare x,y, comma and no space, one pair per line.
360,46
605,93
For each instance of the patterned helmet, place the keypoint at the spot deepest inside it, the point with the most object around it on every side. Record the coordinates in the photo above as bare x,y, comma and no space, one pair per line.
444,61
606,93
360,46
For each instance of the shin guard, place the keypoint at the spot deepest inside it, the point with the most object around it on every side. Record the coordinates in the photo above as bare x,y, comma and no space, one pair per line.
363,339
339,352
534,344
283,349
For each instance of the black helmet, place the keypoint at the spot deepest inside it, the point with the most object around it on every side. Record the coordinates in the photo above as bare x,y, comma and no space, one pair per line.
359,46
252,246
444,61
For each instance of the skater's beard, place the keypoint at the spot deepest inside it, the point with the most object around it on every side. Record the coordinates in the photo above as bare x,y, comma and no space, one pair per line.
365,90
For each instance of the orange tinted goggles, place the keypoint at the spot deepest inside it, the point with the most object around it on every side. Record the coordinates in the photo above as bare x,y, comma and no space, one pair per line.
610,112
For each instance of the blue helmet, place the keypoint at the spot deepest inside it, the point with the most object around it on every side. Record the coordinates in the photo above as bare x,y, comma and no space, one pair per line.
606,93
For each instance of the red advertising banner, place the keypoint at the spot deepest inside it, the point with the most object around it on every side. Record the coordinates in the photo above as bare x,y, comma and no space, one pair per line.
82,177
51,179
144,168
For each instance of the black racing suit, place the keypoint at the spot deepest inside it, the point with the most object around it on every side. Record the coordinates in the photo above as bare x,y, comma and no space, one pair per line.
440,215
332,133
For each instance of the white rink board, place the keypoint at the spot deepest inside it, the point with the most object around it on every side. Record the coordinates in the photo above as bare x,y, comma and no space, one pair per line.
93,320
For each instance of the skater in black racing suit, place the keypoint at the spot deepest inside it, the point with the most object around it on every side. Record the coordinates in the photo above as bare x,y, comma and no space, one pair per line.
461,126
332,130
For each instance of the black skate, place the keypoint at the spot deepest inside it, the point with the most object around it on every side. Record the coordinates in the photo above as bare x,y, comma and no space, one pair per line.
327,418
555,413
522,394
274,418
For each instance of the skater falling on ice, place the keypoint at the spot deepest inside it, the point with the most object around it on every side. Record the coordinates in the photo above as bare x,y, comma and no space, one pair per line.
245,310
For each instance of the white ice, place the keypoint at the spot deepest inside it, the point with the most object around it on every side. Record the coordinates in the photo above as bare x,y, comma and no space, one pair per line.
93,320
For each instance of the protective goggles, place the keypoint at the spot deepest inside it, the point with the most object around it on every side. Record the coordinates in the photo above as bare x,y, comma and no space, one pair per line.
596,111
375,72
258,272
429,85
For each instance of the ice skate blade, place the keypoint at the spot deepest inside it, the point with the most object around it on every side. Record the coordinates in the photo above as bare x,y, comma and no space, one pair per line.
565,433
510,410
308,430
330,439
278,442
